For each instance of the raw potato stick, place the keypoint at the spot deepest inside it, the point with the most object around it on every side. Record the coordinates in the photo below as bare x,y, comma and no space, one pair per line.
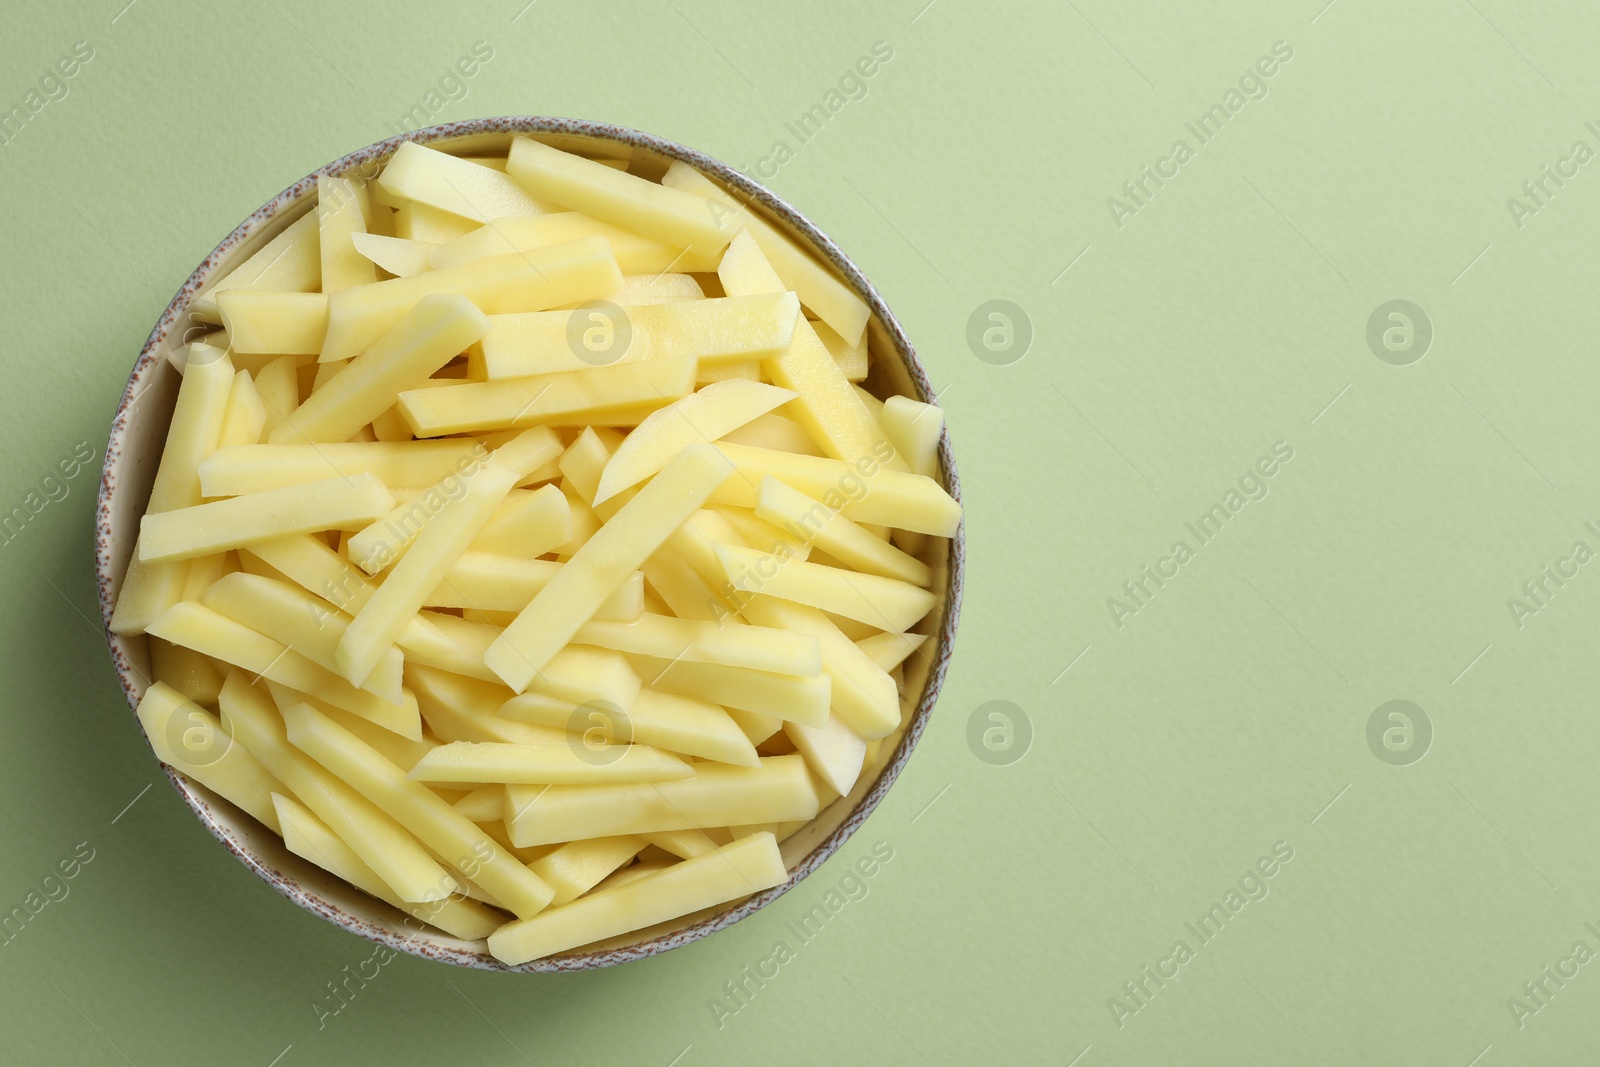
188,738
427,337
601,565
435,823
255,468
364,826
635,254
310,838
885,603
778,790
330,504
578,763
747,866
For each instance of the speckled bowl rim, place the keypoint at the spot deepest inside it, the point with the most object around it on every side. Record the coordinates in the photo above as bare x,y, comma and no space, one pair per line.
364,161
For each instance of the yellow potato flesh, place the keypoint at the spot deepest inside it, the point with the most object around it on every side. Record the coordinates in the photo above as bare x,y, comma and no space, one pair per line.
290,263
661,720
704,415
578,866
886,603
834,752
513,402
329,504
486,582
852,359
828,406
148,589
576,764
311,564
893,498
778,790
527,281
378,839
185,670
776,432
738,870
214,634
597,569
245,416
915,429
755,647
888,650
534,524
398,464
271,323
396,255
312,840
727,329
422,341
189,738
670,216
685,844
435,823
792,697
340,216
303,622
833,301
469,500
635,254
449,183
847,542
426,224
863,695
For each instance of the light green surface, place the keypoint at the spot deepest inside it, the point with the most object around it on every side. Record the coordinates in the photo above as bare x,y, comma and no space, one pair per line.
1226,715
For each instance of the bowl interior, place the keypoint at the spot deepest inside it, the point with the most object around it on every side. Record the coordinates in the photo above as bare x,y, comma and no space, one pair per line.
134,451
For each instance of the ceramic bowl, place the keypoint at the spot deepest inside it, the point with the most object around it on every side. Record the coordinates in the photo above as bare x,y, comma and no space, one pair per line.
134,450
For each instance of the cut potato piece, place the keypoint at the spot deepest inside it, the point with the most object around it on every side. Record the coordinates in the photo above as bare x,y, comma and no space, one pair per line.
245,416
526,281
888,650
747,866
293,617
852,359
487,803
834,302
863,695
379,840
776,432
834,752
757,728
603,563
828,406
754,647
728,329
449,183
863,491
778,790
312,840
289,263
662,720
533,524
185,670
435,823
794,698
341,214
188,738
685,844
915,429
426,224
833,533
403,752
635,254
396,255
148,589
581,763
330,504
469,500
485,582
270,323
398,464
214,634
702,416
308,562
515,402
465,709
427,337
679,219
886,603
578,866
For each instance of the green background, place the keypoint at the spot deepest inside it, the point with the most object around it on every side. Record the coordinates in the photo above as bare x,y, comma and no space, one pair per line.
1228,714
